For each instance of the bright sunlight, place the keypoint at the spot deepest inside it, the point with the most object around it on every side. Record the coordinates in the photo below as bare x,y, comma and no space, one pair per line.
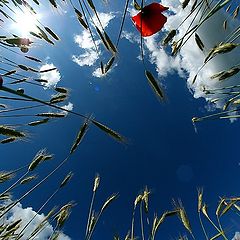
26,22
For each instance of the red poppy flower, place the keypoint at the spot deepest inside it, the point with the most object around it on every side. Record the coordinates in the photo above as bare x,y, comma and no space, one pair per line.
150,19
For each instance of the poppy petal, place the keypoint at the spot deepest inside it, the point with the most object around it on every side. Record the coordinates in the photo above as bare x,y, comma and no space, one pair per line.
150,19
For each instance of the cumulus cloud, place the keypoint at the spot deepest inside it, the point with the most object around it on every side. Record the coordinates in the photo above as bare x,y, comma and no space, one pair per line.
53,77
105,19
89,56
68,107
236,236
191,58
26,214
98,71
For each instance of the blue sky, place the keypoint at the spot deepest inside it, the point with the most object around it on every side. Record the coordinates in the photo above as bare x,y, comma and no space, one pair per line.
164,152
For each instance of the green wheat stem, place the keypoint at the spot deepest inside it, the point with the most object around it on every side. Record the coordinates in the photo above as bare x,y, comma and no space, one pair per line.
35,187
90,213
202,226
14,184
141,219
9,90
38,211
122,22
132,224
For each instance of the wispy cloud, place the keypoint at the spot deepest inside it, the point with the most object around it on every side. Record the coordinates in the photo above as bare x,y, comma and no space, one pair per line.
53,77
89,55
88,58
68,107
26,214
105,19
187,63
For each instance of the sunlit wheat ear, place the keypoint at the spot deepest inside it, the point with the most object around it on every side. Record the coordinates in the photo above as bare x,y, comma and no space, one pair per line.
80,18
93,221
158,221
236,11
138,200
42,155
5,196
11,132
155,85
115,135
61,90
225,24
96,182
28,179
116,237
229,102
14,226
128,236
185,3
63,214
80,136
199,42
220,49
200,199
109,201
220,207
90,212
51,115
145,198
66,179
169,37
226,74
53,34
183,215
108,65
9,140
39,122
136,5
229,205
236,101
204,210
6,176
60,97
176,46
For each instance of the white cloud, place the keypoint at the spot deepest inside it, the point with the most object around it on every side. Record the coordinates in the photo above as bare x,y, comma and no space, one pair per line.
26,214
236,236
131,37
89,56
68,107
98,71
84,40
105,18
191,58
53,77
